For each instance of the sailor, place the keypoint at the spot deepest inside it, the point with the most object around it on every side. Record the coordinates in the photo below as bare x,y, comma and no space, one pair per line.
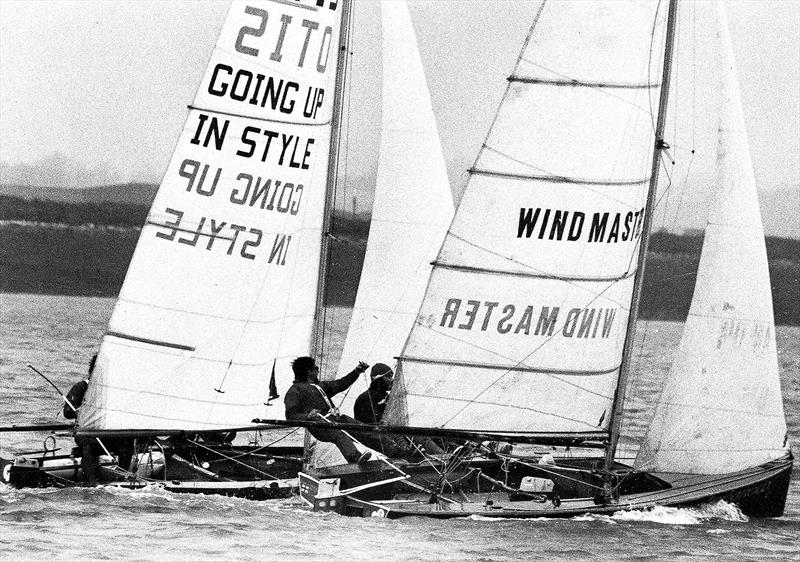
310,399
369,408
90,447
371,403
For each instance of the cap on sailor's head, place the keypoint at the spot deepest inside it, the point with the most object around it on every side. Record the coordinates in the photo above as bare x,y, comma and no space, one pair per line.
380,370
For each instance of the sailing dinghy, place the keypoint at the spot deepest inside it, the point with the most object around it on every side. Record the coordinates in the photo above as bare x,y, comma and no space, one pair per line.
523,337
225,286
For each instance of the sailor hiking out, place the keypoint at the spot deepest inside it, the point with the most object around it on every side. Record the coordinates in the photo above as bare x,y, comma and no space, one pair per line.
310,399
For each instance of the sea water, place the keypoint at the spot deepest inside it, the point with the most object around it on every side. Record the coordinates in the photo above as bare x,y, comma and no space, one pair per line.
58,335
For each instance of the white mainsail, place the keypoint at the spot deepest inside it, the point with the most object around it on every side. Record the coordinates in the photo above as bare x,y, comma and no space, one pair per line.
412,209
223,282
523,322
721,408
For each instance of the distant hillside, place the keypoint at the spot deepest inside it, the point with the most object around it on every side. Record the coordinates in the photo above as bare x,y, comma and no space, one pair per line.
50,248
128,193
72,214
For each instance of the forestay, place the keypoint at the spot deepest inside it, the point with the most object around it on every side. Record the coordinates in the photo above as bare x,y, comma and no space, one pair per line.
523,322
721,408
223,281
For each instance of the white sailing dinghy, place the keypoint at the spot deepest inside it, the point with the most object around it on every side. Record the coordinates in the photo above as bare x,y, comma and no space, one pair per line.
524,334
226,284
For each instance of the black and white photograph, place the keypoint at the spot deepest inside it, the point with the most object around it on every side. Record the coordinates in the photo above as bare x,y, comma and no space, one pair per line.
399,280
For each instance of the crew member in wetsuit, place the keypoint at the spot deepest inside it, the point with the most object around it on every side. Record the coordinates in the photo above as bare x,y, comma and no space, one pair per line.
371,403
90,447
369,408
310,399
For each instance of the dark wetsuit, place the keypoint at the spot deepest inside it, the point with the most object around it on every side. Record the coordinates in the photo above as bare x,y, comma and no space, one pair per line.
370,405
75,397
90,448
302,397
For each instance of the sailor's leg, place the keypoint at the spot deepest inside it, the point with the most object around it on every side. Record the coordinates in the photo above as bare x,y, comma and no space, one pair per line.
338,438
90,463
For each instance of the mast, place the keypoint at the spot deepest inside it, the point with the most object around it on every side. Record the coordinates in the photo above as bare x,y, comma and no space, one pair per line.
333,166
627,350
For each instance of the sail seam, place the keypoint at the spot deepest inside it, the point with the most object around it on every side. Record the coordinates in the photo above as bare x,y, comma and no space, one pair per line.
518,367
707,408
264,119
554,179
177,397
723,317
533,275
207,315
571,82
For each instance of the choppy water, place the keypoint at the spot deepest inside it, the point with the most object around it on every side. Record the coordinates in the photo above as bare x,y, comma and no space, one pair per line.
59,334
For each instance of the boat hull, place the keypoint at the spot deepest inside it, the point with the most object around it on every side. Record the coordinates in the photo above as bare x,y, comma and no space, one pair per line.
245,472
759,492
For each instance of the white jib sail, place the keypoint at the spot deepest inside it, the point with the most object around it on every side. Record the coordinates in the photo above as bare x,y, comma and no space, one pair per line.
412,209
721,408
523,322
223,281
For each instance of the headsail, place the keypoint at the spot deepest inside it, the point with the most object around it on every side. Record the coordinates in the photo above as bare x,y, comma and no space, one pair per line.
223,281
523,322
413,203
412,209
721,408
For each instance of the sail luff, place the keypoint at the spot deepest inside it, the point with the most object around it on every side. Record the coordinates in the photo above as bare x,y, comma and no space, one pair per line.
627,350
317,338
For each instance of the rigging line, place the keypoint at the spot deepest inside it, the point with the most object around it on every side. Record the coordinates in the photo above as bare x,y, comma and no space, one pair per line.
229,458
470,401
567,382
536,349
340,156
393,313
524,48
543,273
556,178
683,189
564,381
543,468
650,64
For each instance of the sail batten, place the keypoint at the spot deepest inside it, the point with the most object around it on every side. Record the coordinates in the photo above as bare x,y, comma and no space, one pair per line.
539,275
514,367
556,179
575,83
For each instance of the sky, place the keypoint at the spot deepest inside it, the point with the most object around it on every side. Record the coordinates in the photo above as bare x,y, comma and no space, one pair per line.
95,92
